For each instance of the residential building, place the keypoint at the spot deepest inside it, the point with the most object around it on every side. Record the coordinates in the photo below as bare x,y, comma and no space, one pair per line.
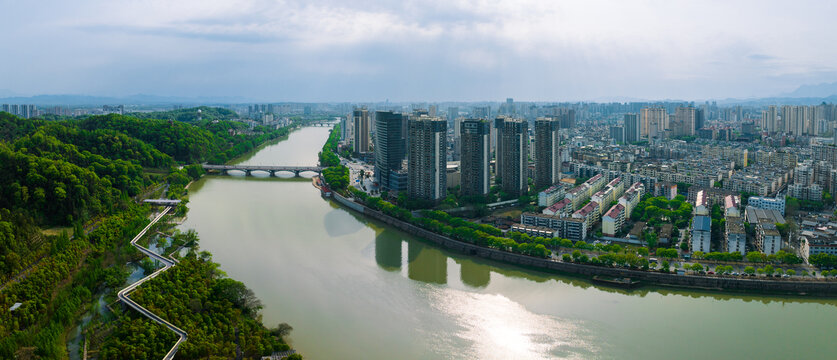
561,208
631,198
426,164
702,206
768,239
514,157
565,227
736,237
632,128
761,202
360,119
613,220
701,233
390,148
731,205
531,230
653,122
551,195
476,156
547,152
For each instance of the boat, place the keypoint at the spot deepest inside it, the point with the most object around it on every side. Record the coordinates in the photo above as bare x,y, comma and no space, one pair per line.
625,283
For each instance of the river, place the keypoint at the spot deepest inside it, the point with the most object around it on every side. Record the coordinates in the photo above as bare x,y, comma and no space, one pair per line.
356,289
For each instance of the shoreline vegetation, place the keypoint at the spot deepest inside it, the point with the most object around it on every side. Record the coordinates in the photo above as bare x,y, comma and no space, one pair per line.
612,260
87,176
730,285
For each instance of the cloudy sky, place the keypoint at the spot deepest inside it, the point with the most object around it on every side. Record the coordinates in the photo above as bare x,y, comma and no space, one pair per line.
417,50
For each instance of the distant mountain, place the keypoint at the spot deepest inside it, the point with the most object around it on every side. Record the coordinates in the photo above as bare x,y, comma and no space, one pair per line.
822,90
138,99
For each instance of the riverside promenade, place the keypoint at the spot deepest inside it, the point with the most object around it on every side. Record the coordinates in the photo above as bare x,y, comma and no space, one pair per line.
712,283
123,294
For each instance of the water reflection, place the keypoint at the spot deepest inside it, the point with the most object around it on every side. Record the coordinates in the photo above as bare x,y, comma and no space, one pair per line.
500,328
426,264
336,224
473,274
388,250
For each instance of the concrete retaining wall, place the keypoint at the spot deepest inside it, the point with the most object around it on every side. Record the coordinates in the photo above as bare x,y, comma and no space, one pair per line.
814,287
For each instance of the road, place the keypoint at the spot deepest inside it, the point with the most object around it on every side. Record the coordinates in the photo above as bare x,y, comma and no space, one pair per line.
167,263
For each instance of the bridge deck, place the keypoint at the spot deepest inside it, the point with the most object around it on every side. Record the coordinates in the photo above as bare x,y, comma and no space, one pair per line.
263,167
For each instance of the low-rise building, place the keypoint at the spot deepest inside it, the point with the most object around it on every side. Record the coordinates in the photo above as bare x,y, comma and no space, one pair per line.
731,205
561,208
768,239
551,195
631,198
701,233
589,213
565,227
531,230
613,220
736,237
667,189
702,204
761,202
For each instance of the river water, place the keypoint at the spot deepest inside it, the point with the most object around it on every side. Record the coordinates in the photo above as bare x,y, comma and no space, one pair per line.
353,288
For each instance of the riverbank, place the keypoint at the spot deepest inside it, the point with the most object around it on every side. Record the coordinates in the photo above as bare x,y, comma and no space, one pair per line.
246,156
795,287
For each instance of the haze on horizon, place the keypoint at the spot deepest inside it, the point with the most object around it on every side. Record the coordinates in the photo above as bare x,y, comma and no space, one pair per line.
417,50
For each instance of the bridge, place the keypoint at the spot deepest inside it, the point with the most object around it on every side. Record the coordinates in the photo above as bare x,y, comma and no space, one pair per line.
272,170
163,202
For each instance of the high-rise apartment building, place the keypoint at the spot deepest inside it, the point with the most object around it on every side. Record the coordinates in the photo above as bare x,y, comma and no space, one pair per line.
632,128
684,117
497,135
513,152
476,156
24,111
390,147
566,117
617,133
700,120
547,152
426,159
653,122
360,119
769,119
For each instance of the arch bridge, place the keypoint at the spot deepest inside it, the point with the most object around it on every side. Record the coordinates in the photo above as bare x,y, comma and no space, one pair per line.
272,170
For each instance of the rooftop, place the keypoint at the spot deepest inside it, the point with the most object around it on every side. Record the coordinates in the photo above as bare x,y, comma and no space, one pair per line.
702,223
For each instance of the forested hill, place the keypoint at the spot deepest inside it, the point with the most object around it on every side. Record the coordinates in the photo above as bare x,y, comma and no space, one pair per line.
81,177
189,115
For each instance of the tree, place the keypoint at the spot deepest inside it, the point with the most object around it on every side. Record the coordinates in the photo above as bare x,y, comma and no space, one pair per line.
651,240
282,330
791,272
749,270
642,251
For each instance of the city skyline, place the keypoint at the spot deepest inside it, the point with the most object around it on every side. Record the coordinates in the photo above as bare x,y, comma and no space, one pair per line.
436,51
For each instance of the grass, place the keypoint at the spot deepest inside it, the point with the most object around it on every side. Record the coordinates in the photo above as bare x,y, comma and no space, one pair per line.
514,213
55,231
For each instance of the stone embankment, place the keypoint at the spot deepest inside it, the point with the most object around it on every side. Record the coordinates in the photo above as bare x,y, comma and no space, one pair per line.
762,285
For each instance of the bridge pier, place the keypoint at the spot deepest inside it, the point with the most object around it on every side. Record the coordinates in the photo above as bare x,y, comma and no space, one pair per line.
296,173
272,173
248,172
